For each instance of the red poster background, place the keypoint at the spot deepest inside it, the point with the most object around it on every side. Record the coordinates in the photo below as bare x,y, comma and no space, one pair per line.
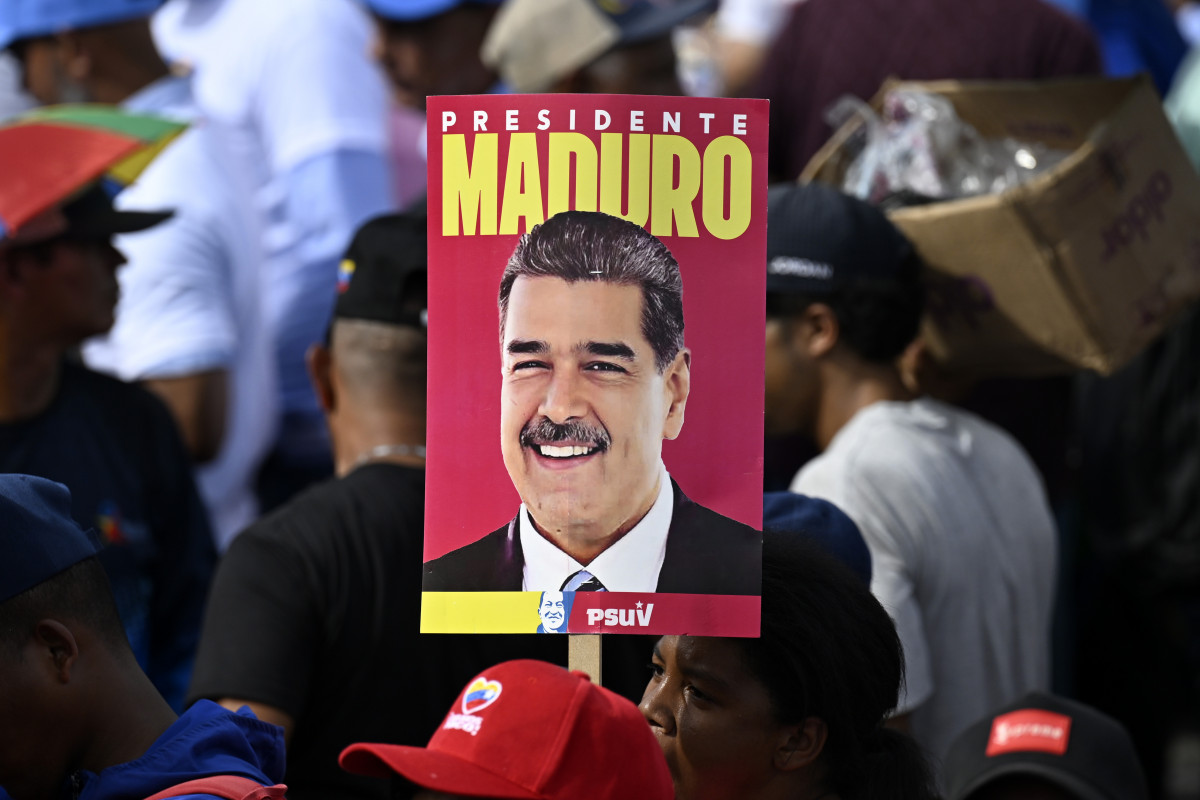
717,458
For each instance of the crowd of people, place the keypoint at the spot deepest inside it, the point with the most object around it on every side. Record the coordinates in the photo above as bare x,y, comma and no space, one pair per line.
213,427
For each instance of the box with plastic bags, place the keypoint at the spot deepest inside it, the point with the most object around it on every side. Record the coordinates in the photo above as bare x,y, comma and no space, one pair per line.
1060,221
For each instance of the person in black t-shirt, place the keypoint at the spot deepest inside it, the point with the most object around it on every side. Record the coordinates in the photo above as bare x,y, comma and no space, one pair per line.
314,614
113,444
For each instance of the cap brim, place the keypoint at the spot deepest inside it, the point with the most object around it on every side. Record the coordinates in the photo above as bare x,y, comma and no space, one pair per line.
115,222
430,769
410,10
1058,777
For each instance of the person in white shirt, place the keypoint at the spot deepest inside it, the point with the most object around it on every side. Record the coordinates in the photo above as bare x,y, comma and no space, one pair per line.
188,323
595,377
291,90
962,540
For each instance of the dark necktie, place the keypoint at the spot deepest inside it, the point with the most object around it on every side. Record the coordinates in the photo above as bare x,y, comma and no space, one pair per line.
582,581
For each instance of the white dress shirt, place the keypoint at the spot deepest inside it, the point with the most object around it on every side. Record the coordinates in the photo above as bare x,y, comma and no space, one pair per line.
191,300
631,564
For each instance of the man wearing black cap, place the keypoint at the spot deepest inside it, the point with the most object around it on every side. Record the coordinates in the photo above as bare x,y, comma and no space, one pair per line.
114,444
1044,747
954,514
314,613
78,718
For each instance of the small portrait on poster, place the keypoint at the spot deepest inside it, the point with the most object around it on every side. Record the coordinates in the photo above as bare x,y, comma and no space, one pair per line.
554,611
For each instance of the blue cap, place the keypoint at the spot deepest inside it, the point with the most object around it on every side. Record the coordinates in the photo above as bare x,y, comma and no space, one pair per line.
822,522
639,20
24,19
416,10
38,536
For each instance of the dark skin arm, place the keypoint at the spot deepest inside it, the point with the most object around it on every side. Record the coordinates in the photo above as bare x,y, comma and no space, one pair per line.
198,403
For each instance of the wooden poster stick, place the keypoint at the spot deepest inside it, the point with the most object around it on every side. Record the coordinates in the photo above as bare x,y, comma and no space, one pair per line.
583,653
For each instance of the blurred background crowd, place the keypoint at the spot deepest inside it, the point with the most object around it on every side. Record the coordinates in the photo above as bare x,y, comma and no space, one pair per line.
308,133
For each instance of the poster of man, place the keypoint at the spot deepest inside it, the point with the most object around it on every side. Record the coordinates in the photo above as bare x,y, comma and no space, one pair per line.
605,254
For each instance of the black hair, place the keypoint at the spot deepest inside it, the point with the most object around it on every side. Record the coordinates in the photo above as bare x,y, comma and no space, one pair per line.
592,246
876,319
829,650
81,593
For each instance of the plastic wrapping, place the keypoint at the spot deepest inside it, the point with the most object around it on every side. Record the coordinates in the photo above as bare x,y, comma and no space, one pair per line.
917,148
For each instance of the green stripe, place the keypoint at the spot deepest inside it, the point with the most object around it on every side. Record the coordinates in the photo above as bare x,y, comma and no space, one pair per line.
144,128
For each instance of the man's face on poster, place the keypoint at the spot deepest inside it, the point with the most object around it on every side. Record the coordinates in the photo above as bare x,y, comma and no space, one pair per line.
552,610
584,409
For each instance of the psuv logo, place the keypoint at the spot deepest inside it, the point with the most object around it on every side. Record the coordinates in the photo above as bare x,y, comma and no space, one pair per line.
637,617
478,696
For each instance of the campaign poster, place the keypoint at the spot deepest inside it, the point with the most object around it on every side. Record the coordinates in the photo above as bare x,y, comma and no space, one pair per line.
596,316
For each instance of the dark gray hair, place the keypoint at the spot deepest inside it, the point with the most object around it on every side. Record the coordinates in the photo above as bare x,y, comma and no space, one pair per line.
591,246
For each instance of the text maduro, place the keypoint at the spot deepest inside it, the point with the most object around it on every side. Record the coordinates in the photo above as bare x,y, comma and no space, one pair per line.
650,179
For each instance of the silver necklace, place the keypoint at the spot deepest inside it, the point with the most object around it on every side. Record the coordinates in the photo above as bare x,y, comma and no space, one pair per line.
385,450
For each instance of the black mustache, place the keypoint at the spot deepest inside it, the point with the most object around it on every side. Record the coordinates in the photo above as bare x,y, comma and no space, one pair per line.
546,432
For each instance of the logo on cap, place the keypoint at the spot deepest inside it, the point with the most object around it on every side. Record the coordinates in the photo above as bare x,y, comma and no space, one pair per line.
480,694
800,268
345,273
1029,730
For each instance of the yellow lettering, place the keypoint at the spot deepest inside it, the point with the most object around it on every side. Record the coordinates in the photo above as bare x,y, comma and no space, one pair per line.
671,204
522,184
713,205
612,176
469,188
562,147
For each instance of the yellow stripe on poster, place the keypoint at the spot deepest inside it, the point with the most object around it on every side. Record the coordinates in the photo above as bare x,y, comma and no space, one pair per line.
479,612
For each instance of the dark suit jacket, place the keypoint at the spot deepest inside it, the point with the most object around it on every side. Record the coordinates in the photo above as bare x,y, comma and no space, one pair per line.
706,554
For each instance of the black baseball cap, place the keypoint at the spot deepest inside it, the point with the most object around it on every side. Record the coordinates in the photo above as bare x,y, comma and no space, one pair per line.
820,240
91,215
38,535
1065,743
383,276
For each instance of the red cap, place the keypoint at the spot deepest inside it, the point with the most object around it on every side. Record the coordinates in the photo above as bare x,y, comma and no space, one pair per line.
530,730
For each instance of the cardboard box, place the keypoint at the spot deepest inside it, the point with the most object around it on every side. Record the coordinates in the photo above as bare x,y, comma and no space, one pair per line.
1079,268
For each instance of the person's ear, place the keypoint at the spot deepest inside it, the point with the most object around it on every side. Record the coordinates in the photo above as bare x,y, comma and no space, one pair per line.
677,385
58,644
817,330
319,361
802,745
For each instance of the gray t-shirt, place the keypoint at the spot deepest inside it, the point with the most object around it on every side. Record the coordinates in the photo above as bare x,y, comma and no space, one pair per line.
964,551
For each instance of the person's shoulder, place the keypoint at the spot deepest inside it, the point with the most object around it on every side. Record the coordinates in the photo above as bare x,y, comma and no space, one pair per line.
709,553
487,564
704,520
118,398
367,496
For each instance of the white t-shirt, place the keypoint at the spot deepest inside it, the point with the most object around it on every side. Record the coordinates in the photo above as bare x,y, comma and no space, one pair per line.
190,301
964,550
13,100
291,88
